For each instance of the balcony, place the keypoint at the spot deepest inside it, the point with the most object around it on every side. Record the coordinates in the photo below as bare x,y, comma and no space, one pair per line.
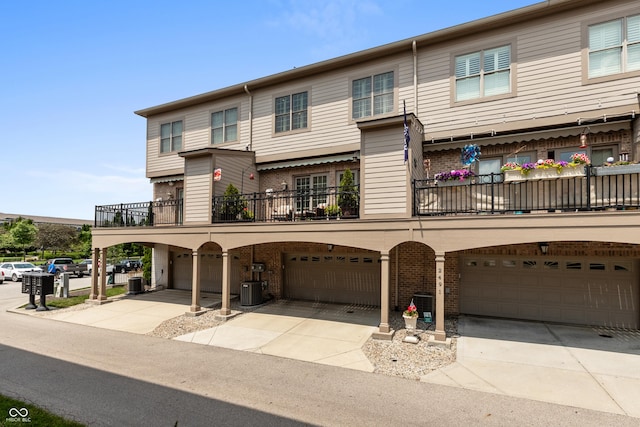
597,190
326,203
491,194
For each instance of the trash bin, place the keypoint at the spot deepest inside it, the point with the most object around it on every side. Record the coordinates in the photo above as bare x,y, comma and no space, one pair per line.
135,285
424,304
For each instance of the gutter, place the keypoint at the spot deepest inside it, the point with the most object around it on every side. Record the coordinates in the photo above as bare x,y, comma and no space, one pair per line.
249,146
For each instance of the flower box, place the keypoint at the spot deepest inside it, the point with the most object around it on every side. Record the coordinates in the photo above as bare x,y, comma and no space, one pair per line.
617,170
453,182
550,173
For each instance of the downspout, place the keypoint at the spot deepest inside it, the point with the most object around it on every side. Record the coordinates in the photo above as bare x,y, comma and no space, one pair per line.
250,145
396,273
415,78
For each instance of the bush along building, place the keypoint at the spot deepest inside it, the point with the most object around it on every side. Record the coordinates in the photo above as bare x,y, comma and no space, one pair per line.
490,165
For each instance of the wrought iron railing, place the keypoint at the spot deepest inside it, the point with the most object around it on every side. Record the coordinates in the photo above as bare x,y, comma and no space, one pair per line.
273,206
288,205
162,212
598,189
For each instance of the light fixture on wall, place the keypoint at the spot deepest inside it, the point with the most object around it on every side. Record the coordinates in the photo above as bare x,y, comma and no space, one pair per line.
544,247
584,137
330,247
284,185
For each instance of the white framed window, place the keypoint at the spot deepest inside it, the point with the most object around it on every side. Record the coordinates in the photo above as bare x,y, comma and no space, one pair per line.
483,73
291,112
372,95
565,154
600,155
171,136
614,47
311,191
224,126
488,166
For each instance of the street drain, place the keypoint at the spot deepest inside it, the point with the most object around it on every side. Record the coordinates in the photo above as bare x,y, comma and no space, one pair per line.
394,360
606,336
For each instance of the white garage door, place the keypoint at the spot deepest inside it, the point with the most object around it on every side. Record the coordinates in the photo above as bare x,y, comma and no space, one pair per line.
210,272
326,277
601,292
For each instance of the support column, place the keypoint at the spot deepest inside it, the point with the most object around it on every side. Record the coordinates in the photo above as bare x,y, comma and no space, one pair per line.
384,330
225,310
95,261
440,336
195,308
102,292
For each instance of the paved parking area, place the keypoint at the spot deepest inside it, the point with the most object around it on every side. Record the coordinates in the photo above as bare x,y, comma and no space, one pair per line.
594,368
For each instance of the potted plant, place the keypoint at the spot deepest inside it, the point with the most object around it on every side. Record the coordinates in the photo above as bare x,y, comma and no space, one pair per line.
332,211
410,316
233,204
347,195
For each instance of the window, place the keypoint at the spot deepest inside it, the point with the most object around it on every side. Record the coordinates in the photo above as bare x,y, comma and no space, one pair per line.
565,155
311,191
171,136
484,73
224,126
487,167
600,155
614,47
291,112
372,95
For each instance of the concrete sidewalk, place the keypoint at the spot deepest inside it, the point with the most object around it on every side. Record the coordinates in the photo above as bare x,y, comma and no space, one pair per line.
584,367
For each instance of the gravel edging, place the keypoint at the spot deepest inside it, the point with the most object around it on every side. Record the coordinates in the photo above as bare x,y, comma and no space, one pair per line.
389,357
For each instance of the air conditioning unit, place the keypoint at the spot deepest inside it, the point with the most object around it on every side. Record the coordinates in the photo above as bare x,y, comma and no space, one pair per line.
424,304
250,293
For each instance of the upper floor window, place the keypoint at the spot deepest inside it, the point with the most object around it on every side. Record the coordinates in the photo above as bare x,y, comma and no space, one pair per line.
483,73
291,112
224,126
372,95
614,47
171,136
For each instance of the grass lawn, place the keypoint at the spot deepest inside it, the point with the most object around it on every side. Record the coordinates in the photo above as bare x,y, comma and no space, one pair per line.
80,299
16,413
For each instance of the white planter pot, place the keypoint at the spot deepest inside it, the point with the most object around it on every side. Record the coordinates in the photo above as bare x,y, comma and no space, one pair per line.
617,170
453,183
551,173
410,322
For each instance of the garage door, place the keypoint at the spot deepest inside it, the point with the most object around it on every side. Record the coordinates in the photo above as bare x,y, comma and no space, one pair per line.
210,272
601,292
344,278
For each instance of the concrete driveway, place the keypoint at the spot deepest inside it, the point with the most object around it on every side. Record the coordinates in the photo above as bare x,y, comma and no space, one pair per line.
585,367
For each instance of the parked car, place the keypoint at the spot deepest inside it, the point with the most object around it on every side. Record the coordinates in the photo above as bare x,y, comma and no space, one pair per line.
127,265
14,270
66,265
89,263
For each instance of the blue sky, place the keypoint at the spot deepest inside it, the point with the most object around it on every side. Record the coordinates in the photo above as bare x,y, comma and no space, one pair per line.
74,72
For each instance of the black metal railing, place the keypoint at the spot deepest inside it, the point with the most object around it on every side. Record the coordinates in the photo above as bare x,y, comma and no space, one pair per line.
273,206
289,205
598,189
161,212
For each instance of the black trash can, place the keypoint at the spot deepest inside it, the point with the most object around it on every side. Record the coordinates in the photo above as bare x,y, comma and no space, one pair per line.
135,285
424,304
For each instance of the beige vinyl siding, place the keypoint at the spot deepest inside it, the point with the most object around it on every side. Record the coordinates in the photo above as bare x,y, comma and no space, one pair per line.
329,121
549,81
384,173
197,131
232,167
197,190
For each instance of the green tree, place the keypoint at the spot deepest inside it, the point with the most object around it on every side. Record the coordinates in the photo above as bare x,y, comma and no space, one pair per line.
23,234
56,237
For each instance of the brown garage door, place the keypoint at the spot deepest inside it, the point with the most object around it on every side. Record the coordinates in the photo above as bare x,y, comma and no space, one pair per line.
210,272
601,292
326,277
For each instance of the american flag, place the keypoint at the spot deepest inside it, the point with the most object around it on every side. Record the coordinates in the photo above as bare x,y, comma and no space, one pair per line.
407,138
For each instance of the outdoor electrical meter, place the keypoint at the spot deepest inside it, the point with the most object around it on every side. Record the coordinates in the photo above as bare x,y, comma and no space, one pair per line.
257,267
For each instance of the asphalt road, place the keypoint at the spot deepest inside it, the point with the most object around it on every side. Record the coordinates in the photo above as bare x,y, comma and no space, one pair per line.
103,378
